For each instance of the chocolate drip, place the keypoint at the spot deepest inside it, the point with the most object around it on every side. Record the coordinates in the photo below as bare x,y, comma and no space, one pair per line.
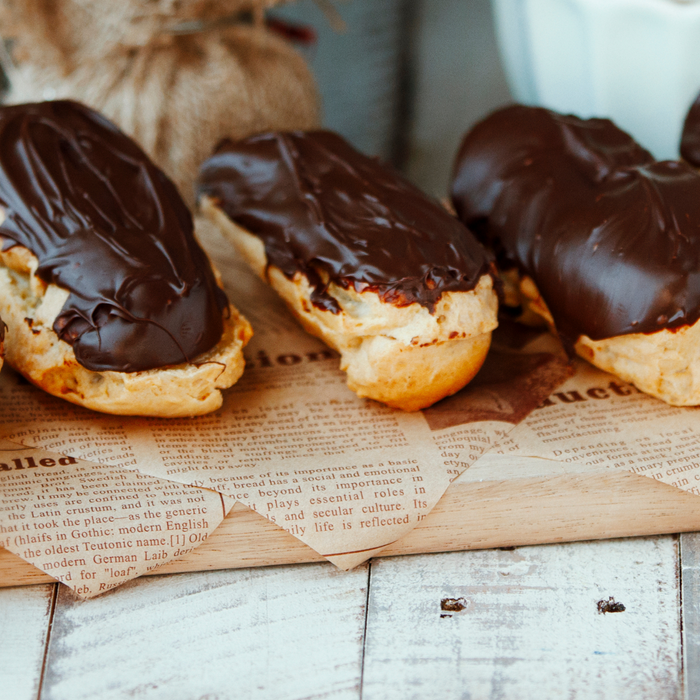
610,237
107,225
323,209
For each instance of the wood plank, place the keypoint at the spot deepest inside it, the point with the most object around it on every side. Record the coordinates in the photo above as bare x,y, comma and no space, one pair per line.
25,614
690,591
282,633
532,502
530,626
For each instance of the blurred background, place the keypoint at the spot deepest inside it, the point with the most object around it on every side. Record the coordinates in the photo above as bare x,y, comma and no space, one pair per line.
400,79
405,79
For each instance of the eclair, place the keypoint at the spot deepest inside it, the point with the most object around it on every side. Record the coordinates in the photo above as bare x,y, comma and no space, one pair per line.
364,260
602,240
109,300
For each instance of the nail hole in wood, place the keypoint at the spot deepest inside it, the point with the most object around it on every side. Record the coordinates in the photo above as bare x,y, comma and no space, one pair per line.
453,605
610,606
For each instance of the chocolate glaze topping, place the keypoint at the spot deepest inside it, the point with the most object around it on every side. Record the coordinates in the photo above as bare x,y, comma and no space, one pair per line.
690,138
323,209
107,225
610,237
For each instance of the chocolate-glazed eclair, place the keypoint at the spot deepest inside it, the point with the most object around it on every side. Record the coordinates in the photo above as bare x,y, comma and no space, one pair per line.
364,260
109,300
606,240
690,136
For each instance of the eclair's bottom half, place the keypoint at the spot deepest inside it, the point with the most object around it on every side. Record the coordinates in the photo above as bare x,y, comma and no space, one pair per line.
405,357
29,308
665,364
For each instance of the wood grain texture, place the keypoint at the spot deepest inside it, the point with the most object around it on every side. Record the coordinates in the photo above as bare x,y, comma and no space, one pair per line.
529,501
278,633
24,623
690,591
530,627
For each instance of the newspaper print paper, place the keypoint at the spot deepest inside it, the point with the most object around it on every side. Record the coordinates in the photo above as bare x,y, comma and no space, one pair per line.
345,475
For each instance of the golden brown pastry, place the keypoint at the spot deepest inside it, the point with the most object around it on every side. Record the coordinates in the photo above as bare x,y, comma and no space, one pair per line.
108,298
602,240
363,259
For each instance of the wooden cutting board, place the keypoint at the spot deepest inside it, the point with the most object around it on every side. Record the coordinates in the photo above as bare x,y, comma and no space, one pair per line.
502,502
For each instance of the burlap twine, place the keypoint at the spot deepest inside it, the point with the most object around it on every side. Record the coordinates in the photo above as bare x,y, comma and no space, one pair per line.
177,75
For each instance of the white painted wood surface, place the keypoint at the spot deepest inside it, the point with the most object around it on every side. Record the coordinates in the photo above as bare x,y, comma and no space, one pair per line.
286,633
530,627
690,593
24,624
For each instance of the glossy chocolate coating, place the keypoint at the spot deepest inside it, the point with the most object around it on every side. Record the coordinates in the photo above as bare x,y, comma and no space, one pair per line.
323,209
690,138
108,226
610,237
